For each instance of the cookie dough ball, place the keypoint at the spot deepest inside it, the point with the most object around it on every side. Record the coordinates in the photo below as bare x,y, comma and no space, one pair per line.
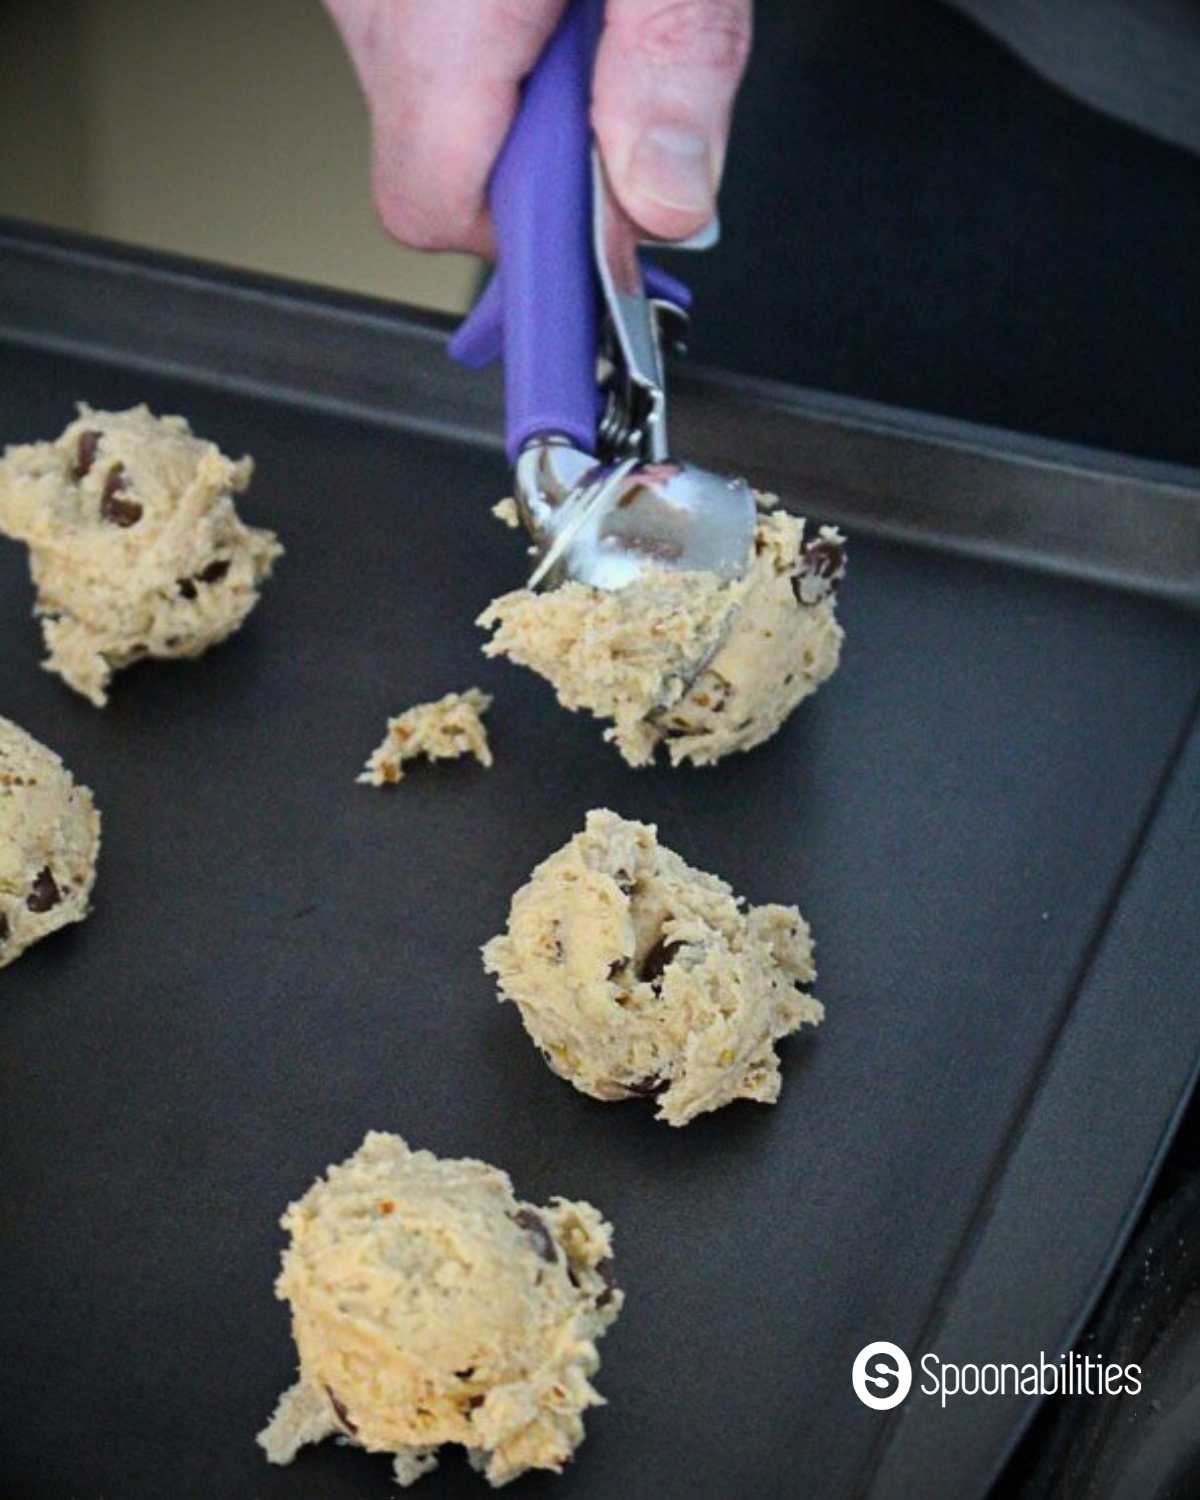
134,544
430,1306
444,730
49,840
681,658
638,976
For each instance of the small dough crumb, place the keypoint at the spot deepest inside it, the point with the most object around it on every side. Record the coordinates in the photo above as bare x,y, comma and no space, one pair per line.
444,730
49,841
431,1306
681,658
135,546
507,512
638,976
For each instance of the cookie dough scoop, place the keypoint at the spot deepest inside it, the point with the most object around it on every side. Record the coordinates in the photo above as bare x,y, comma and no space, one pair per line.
586,410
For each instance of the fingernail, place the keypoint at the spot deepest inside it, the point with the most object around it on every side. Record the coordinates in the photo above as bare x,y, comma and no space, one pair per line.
671,165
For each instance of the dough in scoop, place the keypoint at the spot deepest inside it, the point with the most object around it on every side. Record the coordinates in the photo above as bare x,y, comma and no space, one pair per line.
637,975
430,1306
135,547
49,841
681,658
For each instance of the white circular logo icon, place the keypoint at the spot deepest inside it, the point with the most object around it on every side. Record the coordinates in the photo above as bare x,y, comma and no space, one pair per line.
882,1375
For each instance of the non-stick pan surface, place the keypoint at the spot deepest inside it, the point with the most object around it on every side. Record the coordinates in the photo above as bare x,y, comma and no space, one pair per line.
280,959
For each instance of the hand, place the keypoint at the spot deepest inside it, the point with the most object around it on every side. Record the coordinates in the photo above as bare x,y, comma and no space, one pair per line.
442,81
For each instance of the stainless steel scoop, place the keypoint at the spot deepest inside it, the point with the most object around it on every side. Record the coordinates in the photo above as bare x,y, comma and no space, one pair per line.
605,520
586,406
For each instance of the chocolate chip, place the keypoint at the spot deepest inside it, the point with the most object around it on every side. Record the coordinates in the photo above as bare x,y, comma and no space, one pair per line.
3,929
535,1228
824,565
114,506
646,1088
657,959
618,966
212,574
44,895
475,1402
464,1374
343,1415
604,1269
634,492
826,557
85,452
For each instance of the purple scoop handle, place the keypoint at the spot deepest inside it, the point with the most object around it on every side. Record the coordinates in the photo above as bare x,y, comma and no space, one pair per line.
479,338
541,202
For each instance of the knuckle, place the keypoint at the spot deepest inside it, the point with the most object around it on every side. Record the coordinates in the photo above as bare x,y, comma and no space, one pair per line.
404,221
418,207
712,34
520,15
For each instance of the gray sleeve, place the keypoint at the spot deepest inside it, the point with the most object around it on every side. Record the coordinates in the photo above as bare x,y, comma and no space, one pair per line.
1136,59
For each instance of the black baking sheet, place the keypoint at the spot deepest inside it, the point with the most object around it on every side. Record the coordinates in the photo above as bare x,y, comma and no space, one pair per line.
280,959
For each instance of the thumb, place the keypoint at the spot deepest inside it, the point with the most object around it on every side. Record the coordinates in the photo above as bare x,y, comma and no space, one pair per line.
666,75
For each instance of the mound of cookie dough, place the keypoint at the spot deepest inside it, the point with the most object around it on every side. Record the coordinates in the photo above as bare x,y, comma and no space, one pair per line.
430,1306
638,976
135,547
451,727
681,658
49,840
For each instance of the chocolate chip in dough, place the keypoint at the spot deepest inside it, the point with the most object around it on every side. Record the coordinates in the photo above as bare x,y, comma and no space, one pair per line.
114,505
604,1269
212,574
535,1228
657,959
85,452
646,1088
45,895
824,559
343,1415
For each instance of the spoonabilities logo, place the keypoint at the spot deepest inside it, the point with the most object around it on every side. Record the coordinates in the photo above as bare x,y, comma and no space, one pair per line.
881,1375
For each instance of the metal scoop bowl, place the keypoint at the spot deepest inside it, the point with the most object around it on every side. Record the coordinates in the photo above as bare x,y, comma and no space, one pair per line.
609,525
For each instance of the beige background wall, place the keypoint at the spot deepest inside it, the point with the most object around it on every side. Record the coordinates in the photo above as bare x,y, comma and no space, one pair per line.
232,130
